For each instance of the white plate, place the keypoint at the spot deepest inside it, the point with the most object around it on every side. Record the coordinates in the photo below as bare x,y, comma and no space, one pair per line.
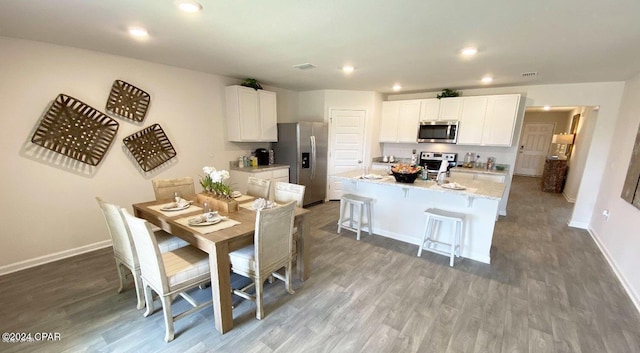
372,176
166,208
236,194
452,187
206,223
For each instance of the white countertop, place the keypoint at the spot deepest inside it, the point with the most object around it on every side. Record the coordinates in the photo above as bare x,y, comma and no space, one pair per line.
474,188
479,171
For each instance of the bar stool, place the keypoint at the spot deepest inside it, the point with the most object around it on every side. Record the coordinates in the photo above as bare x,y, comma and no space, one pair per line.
351,201
455,238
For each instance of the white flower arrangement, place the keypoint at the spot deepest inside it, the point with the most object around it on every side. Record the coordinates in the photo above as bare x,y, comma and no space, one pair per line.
214,181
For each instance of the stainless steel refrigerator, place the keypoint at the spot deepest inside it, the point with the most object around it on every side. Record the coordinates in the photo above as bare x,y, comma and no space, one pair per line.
303,146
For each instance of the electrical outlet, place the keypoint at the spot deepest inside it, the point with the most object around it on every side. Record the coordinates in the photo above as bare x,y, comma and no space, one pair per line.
605,214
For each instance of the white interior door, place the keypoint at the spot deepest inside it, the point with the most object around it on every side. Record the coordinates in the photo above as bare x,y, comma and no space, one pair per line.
346,146
534,147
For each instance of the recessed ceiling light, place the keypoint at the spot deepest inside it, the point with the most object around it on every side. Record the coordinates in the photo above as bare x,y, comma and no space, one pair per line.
469,51
189,6
487,79
347,69
546,107
397,87
138,32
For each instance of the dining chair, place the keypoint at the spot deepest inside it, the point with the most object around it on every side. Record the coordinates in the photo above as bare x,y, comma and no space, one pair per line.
166,188
168,274
285,192
124,250
257,187
270,252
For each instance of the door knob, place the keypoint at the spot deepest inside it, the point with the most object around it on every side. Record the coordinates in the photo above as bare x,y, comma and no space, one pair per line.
359,162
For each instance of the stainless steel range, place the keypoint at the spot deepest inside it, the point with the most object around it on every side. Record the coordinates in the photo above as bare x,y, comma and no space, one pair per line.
431,161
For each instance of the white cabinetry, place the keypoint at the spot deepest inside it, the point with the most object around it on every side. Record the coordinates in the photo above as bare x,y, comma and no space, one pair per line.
500,121
429,109
472,120
400,121
488,120
450,108
238,179
251,115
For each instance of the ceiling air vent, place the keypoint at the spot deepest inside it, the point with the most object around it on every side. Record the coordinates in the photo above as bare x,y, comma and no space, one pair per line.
305,66
529,74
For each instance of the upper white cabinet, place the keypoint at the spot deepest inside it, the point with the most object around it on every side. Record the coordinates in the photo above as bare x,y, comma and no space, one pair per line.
450,108
484,120
400,121
500,121
429,109
488,120
473,110
251,115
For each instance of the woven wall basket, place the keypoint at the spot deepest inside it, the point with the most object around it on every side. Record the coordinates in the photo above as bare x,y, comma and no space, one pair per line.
128,101
150,147
76,130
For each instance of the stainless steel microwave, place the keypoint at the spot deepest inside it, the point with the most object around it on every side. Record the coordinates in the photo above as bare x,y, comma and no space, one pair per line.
439,131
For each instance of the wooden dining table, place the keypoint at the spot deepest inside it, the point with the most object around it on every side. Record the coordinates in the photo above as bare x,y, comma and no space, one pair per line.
218,244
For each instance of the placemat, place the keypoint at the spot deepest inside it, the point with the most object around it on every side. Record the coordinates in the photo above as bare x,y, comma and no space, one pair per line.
243,198
227,223
189,209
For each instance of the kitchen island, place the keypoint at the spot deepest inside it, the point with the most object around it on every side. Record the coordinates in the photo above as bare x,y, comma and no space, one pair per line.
398,209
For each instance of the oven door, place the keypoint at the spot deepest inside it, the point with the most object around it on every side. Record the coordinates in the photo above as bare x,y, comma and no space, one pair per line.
438,131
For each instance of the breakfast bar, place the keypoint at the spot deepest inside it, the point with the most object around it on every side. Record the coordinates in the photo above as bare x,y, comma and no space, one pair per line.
398,209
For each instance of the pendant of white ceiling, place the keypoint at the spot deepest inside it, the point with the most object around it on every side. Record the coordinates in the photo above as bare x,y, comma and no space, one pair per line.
467,52
188,6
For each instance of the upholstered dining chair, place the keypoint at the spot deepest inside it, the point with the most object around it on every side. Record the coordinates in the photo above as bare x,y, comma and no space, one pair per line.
285,192
168,274
166,188
124,251
257,187
270,252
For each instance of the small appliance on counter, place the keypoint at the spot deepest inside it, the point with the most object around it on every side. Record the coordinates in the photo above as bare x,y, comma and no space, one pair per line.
262,154
431,162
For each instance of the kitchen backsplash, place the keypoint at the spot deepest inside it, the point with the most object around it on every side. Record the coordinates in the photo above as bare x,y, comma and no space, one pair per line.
403,151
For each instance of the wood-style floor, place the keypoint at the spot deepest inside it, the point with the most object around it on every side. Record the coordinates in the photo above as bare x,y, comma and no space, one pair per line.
548,289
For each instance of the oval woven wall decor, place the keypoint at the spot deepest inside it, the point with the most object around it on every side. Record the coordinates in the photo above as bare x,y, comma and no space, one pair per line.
76,130
128,101
150,147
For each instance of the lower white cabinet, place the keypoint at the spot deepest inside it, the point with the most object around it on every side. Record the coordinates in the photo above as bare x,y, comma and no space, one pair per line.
496,178
238,178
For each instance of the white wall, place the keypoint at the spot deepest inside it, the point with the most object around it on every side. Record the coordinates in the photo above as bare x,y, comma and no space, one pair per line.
50,210
580,152
619,236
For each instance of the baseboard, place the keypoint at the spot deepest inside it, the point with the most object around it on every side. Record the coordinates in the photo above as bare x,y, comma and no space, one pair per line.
581,225
22,265
635,298
569,199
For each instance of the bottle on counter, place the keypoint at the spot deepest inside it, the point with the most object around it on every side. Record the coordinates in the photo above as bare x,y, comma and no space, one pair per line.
414,158
240,162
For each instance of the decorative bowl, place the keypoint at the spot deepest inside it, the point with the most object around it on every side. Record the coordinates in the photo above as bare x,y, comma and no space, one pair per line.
405,177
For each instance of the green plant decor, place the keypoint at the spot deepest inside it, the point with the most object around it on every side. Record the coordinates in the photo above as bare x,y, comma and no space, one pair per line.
251,82
448,93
